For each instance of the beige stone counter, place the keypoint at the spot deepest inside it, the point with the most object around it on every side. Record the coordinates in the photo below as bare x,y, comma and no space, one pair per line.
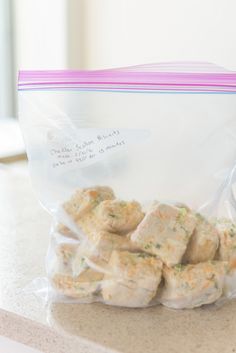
61,328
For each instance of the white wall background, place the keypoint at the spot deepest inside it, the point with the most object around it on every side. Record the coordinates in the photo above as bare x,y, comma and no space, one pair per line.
109,33
127,32
40,34
6,64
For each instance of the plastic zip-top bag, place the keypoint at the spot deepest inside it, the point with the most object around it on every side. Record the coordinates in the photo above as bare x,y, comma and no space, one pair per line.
133,165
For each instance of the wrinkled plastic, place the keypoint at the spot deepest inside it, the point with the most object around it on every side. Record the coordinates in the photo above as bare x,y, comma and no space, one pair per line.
163,135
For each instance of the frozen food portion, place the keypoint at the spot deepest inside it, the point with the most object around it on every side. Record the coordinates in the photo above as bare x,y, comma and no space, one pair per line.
190,286
66,252
82,286
79,268
84,200
116,253
77,285
118,216
203,243
132,280
227,235
115,216
98,251
165,232
89,225
81,209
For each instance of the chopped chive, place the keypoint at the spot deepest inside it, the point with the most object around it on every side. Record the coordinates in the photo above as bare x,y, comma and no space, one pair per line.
179,267
148,246
232,232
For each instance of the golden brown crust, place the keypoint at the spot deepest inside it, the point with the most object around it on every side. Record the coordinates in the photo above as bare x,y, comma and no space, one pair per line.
84,200
118,216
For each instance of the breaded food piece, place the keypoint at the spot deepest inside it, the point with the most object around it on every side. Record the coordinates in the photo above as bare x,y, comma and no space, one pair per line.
203,243
66,252
84,200
89,225
98,251
113,216
227,235
118,216
133,279
77,285
82,286
190,286
107,242
165,232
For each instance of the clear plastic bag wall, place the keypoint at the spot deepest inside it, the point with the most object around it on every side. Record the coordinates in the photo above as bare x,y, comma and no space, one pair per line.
132,164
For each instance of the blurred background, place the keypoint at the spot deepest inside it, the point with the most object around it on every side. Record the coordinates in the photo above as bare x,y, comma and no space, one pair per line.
93,34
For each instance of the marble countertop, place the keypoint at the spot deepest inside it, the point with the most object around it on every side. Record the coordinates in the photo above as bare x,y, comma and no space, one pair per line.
70,328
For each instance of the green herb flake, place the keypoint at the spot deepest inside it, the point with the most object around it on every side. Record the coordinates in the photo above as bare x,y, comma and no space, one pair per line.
158,246
200,217
179,267
142,255
232,232
112,215
148,246
96,202
182,214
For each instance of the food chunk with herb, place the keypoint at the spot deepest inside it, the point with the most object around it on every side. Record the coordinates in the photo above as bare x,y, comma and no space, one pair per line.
84,200
81,283
118,216
189,286
203,243
165,232
132,280
96,253
82,286
227,235
66,252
